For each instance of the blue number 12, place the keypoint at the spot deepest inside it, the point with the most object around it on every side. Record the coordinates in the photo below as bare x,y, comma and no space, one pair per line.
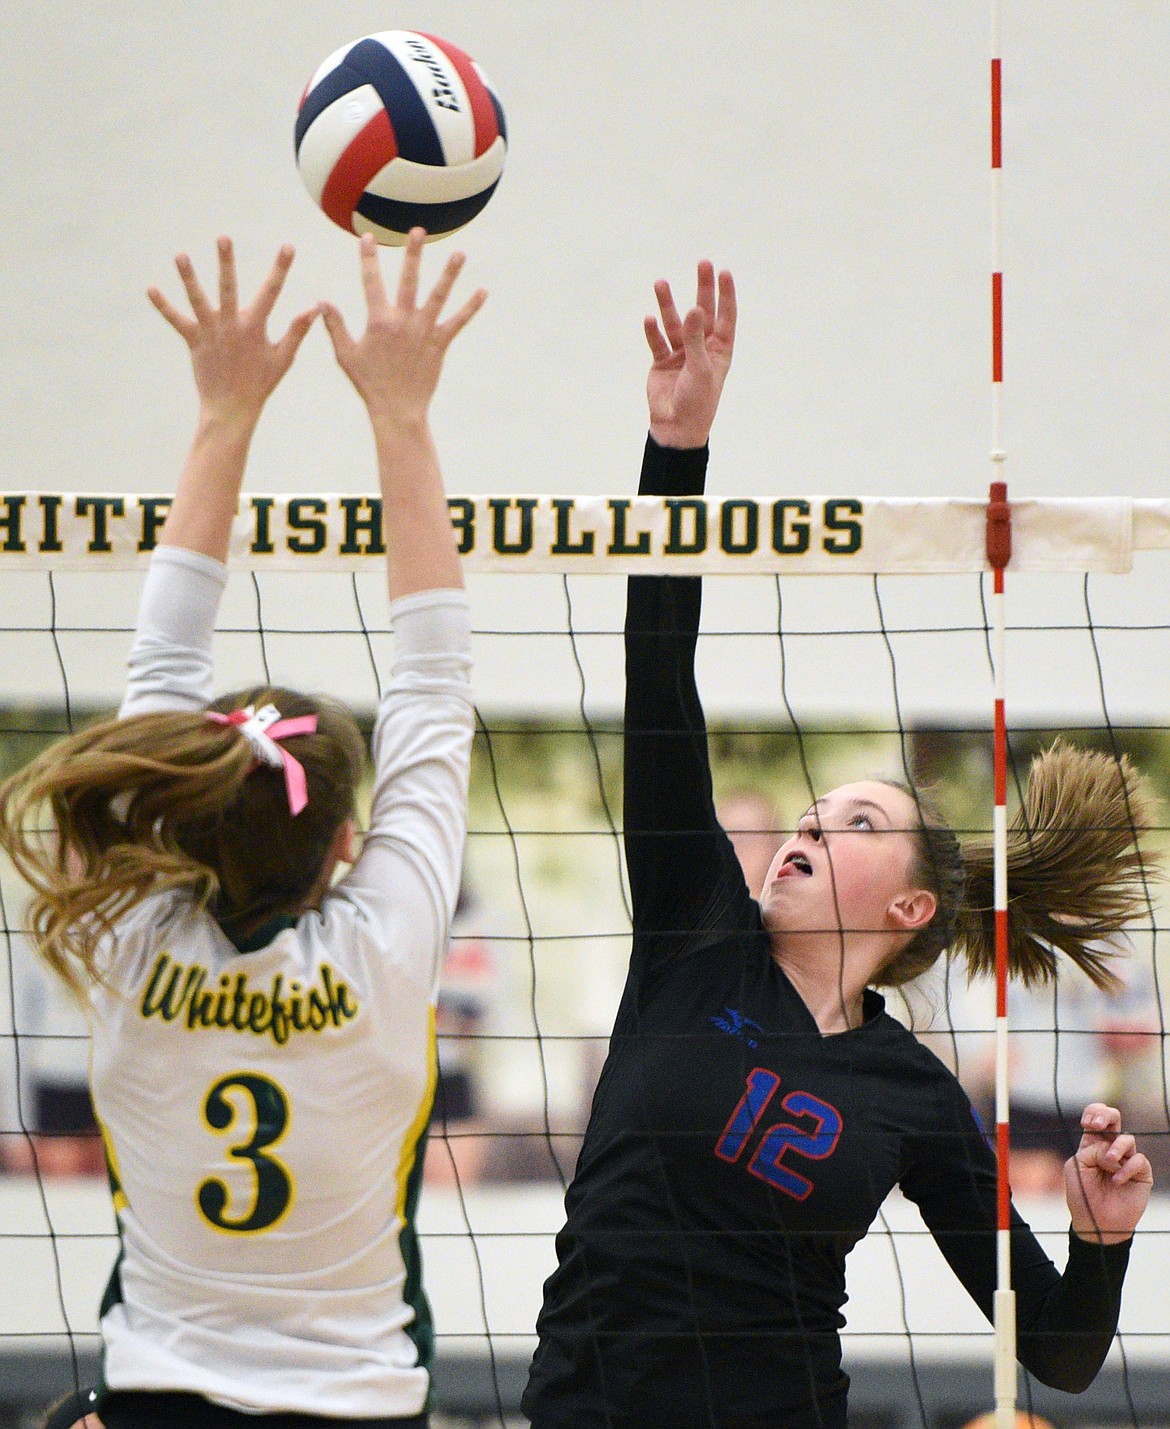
782,1138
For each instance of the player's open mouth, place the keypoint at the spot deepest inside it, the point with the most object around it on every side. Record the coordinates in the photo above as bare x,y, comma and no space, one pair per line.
795,863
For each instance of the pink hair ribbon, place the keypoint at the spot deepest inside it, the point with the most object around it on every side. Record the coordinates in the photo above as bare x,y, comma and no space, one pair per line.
262,729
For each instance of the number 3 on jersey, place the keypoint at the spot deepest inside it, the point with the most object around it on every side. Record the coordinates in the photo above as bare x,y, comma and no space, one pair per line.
782,1139
269,1118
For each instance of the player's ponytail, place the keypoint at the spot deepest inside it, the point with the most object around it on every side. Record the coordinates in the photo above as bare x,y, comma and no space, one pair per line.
173,802
1076,874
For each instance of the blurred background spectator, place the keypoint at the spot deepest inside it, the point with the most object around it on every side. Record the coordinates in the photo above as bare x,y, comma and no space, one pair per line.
753,826
458,1145
1079,1044
1069,1044
48,1121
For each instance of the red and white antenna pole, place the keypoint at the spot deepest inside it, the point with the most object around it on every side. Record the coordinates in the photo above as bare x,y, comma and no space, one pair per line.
999,539
999,547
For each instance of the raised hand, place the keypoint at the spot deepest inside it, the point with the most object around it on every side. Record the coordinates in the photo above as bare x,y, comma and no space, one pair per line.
691,359
236,366
1108,1181
395,364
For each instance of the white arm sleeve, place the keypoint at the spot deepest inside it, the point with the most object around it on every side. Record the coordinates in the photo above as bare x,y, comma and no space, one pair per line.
404,886
170,661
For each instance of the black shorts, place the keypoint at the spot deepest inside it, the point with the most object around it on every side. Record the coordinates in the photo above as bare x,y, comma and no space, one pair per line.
152,1409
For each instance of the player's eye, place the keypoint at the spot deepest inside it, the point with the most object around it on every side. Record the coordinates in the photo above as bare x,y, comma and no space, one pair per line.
861,821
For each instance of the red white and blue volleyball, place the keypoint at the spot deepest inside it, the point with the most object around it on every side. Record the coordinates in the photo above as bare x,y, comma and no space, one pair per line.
397,130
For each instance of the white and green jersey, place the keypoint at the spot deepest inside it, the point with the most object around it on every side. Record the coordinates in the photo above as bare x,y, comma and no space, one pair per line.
264,1110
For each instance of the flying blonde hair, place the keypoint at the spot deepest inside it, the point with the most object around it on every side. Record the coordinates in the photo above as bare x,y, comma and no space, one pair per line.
173,802
1078,874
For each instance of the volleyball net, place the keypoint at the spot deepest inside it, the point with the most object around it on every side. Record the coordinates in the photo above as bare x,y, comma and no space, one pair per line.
843,637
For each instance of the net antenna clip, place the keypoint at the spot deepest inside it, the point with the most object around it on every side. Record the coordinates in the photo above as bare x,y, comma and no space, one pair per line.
999,527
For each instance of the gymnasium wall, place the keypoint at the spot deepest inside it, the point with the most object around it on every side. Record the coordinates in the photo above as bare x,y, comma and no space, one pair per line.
835,156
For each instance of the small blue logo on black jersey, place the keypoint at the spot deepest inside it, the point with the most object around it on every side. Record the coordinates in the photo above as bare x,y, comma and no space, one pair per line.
735,1024
987,1136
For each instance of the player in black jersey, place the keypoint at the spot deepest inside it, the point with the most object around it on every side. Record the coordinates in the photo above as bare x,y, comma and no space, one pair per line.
758,1104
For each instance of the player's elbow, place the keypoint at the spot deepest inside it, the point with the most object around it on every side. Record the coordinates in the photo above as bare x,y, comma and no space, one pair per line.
1068,1381
1071,1370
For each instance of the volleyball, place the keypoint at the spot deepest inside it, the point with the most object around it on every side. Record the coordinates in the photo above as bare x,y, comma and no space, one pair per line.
398,130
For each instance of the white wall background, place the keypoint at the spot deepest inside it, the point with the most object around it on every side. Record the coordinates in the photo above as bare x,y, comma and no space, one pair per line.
834,155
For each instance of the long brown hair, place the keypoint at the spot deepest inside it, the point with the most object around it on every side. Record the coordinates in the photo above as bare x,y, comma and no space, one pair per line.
1077,873
172,801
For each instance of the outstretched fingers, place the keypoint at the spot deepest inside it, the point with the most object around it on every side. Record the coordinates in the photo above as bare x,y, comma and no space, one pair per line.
411,264
228,290
236,365
439,294
659,347
692,355
715,307
671,322
286,348
705,293
372,284
436,300
695,340
395,363
727,312
195,295
455,325
442,289
205,314
272,286
186,327
339,334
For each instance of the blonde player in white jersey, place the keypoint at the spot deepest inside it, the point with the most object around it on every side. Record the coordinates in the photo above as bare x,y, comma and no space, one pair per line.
263,1046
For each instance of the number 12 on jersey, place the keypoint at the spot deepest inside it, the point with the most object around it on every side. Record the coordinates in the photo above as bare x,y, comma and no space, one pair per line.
782,1139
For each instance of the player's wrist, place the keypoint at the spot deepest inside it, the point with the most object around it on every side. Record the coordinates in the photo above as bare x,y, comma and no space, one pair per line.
1093,1235
1096,1235
680,436
395,424
227,421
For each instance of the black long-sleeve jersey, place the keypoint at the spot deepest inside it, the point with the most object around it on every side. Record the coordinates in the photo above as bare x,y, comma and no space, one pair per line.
734,1154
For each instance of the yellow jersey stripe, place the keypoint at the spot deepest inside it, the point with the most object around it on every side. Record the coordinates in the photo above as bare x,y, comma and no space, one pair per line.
419,1124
